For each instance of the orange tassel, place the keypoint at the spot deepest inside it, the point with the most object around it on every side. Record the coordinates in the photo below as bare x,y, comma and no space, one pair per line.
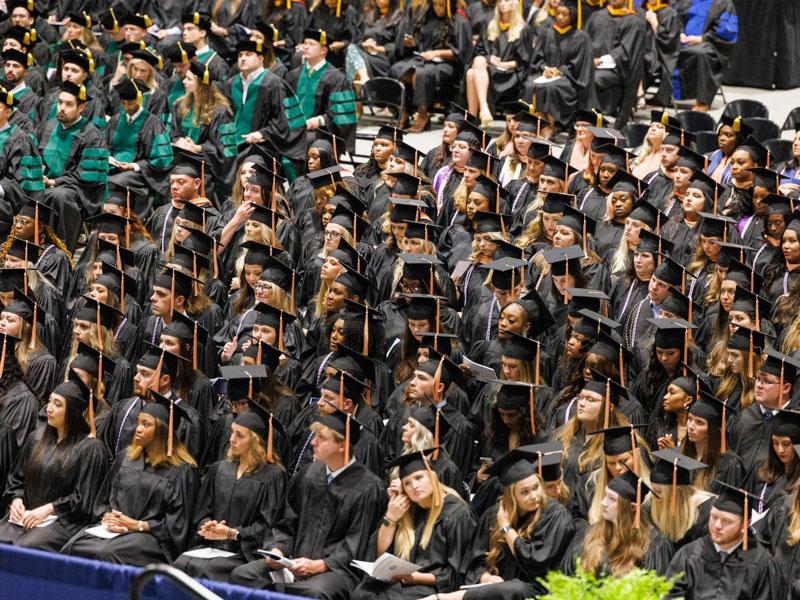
270,458
436,436
674,487
745,526
637,520
533,423
92,429
347,441
169,437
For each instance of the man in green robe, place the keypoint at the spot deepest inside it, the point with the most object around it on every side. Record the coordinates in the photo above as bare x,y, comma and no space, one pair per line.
326,96
181,55
20,164
265,109
76,68
75,161
140,153
16,71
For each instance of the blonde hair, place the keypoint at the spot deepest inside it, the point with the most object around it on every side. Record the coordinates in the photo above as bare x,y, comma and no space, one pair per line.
152,81
621,260
207,98
791,340
516,24
793,530
729,380
320,309
688,499
23,351
600,478
256,454
492,235
593,453
405,535
617,543
158,449
498,547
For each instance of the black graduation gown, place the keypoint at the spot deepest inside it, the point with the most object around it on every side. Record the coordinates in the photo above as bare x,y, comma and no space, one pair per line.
20,172
217,140
522,192
506,83
69,479
607,237
571,53
250,504
19,409
753,446
700,67
432,34
661,50
332,522
218,441
145,142
124,417
774,527
532,558
41,373
443,557
659,189
750,575
237,23
384,32
290,24
657,558
164,497
344,28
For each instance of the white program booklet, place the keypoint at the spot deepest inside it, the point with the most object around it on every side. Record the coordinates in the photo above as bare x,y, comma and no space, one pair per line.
481,372
208,553
543,79
102,532
48,521
386,567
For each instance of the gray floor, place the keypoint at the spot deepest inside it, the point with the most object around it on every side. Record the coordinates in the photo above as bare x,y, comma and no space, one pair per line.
779,103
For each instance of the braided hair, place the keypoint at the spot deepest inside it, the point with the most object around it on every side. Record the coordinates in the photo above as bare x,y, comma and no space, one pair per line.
45,235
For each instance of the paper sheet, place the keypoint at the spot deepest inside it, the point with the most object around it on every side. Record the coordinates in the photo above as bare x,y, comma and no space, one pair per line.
48,521
481,372
387,566
543,79
102,532
208,553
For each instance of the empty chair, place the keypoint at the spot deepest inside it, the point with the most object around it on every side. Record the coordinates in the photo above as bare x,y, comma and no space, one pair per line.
792,121
763,129
706,142
694,121
745,107
781,150
384,92
634,134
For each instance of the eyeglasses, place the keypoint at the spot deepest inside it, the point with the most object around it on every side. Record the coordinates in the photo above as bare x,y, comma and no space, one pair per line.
587,399
330,234
764,381
262,287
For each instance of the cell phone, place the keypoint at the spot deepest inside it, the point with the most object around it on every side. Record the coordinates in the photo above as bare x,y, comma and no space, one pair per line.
314,400
487,460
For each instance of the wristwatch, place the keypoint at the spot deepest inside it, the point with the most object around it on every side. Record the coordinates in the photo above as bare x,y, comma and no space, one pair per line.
388,522
141,526
505,530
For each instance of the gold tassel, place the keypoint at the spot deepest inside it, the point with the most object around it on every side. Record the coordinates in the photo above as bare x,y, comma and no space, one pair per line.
674,487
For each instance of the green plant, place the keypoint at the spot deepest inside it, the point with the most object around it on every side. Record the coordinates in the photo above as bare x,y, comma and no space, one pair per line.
635,585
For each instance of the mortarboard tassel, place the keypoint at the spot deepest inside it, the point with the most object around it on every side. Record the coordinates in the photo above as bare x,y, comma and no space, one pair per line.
634,452
280,333
539,460
436,436
750,358
250,381
36,223
530,403
259,352
92,428
347,440
637,519
674,505
270,458
99,337
438,315
538,353
169,436
437,379
341,390
566,273
3,357
214,243
745,525
724,411
99,373
608,403
194,347
437,500
171,295
32,343
365,347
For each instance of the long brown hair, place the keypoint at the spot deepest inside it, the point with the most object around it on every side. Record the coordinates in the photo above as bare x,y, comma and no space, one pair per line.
617,542
157,453
205,99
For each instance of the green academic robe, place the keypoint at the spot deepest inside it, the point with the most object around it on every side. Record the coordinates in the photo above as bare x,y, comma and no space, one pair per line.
218,139
20,172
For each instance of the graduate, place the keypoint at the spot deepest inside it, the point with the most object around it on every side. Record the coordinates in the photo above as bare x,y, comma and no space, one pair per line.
354,502
75,161
58,476
138,145
16,63
326,97
728,553
272,114
148,494
197,32
240,497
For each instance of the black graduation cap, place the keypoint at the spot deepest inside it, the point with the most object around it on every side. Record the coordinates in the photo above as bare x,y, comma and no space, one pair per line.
180,52
691,159
408,153
691,382
76,393
354,281
406,185
13,278
160,360
167,410
583,298
362,309
513,395
188,331
609,345
779,205
712,409
189,259
591,116
744,276
117,281
79,91
556,168
760,154
540,148
740,128
151,58
132,89
648,214
671,333
615,155
41,213
632,488
94,362
193,165
554,202
673,469
327,176
244,381
539,315
78,58
413,462
671,272
729,252
24,249
386,132
579,222
347,255
675,136
27,309
18,56
201,19
260,421
506,272
661,116
109,316
681,305
266,354
618,440
528,123
137,20
405,209
592,323
344,196
114,254
604,138
473,135
507,250
743,337
257,253
365,364
481,160
715,225
651,243
424,306
747,302
622,181
491,190
608,388
547,458
177,281
449,373
280,274
110,223
23,35
491,222
767,178
420,267
352,222
786,423
778,364
563,260
434,420
256,46
738,502
521,347
513,467
422,230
